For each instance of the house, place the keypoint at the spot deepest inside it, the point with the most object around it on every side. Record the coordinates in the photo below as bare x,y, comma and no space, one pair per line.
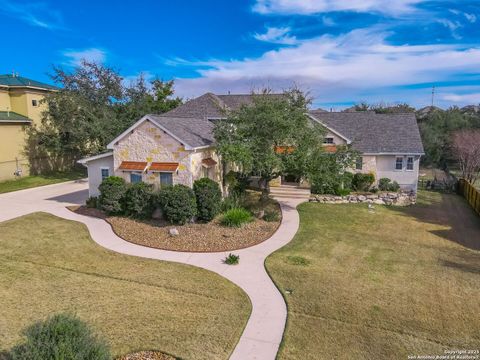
178,147
20,107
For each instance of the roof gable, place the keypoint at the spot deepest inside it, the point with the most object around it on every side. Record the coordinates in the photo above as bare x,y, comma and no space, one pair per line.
376,133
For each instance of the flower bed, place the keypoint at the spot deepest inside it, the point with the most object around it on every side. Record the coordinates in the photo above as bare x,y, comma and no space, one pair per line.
192,237
147,355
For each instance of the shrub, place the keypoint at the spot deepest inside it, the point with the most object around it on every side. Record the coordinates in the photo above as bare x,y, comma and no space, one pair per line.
362,182
237,182
271,216
62,337
112,190
209,197
236,217
394,186
139,200
92,202
178,203
232,201
232,259
385,184
327,183
342,192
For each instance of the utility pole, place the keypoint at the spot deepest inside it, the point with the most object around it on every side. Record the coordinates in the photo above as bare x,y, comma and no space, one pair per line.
433,94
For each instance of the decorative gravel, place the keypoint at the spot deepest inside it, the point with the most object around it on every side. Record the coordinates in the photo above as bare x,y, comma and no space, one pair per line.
198,237
147,355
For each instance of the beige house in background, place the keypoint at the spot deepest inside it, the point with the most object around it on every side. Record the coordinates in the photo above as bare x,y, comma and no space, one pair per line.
178,147
20,107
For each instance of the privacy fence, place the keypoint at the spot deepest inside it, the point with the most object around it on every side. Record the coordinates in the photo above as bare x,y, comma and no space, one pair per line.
469,192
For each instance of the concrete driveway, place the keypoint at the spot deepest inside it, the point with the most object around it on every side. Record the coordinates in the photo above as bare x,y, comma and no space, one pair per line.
263,333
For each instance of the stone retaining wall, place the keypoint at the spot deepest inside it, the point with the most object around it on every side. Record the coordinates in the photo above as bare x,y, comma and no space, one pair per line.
388,198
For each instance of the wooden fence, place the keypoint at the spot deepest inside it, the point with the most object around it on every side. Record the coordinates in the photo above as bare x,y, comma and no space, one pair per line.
470,193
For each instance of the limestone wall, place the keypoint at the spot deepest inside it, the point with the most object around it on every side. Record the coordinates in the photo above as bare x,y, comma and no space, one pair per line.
385,198
148,143
197,169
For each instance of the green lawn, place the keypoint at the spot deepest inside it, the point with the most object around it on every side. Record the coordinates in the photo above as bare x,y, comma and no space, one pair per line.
381,285
50,265
27,182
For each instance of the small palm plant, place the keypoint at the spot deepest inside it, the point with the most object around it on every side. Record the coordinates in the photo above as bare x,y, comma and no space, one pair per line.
232,259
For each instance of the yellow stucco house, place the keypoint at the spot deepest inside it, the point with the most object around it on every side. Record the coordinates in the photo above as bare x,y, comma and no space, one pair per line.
20,107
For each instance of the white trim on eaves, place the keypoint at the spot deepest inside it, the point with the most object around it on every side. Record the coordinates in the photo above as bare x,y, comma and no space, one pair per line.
94,157
329,128
141,121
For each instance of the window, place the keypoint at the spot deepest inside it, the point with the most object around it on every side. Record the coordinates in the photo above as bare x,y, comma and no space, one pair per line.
410,163
399,163
135,178
34,102
206,172
328,140
105,173
166,179
359,163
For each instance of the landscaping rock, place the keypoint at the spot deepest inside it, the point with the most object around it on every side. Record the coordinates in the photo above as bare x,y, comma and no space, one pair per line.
385,198
260,214
173,232
361,198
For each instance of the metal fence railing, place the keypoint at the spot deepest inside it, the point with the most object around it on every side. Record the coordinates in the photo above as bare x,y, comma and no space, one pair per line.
470,193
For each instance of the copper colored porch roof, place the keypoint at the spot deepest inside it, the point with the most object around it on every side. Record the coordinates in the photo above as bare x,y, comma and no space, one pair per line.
284,149
209,162
164,166
330,148
133,165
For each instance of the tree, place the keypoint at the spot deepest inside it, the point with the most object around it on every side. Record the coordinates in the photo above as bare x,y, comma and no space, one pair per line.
466,149
270,137
436,129
92,106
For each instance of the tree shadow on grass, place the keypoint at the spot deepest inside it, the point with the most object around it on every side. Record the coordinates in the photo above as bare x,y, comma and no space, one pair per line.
450,211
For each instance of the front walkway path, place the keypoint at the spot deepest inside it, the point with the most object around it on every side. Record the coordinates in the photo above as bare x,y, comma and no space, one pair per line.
263,333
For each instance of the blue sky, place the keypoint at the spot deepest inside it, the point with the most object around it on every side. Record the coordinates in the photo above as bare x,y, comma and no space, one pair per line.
341,51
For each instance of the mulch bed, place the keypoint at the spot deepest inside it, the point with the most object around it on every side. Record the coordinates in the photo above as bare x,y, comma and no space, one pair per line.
147,355
210,237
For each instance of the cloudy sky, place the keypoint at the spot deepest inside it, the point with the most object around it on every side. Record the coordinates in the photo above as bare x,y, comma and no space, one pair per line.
341,51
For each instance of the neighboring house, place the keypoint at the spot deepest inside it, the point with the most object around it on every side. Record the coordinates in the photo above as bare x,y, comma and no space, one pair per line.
20,106
178,147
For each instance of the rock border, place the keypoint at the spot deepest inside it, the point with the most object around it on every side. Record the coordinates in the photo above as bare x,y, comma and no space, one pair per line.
404,198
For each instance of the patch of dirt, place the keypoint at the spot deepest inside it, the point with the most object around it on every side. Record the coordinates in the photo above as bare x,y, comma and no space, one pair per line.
199,237
147,355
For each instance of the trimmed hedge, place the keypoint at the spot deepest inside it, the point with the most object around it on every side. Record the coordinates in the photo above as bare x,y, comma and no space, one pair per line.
385,184
362,182
209,198
139,200
178,203
112,191
62,337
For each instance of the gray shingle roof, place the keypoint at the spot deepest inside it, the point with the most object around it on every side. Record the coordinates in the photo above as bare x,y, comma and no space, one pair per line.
195,132
376,133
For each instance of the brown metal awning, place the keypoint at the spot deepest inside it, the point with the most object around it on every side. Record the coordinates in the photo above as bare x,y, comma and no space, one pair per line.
133,165
284,149
164,166
209,162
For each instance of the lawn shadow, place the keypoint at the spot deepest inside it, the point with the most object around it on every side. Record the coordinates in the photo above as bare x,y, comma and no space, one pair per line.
449,210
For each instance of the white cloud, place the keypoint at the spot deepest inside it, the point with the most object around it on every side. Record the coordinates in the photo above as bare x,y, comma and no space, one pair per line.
307,7
464,99
328,21
452,26
75,57
340,68
33,13
472,18
277,36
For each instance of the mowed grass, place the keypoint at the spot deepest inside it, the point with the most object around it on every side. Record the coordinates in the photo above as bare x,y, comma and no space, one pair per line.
382,285
50,265
27,182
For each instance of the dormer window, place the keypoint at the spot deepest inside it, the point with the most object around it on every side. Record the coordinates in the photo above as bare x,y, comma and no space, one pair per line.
328,140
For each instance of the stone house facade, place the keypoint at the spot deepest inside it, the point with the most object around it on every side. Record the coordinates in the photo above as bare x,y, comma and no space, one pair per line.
178,147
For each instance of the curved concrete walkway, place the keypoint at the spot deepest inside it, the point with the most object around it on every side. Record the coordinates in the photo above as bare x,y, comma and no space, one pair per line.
263,333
